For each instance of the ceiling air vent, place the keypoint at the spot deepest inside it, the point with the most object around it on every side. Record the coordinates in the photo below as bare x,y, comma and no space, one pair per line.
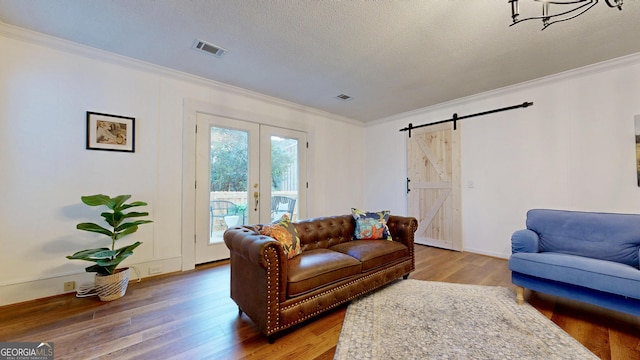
209,48
344,97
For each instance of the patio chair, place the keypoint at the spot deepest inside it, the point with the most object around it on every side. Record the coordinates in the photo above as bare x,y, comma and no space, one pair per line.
218,209
282,205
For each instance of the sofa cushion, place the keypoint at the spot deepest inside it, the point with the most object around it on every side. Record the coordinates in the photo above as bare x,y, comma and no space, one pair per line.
607,276
605,236
283,231
317,268
371,225
373,253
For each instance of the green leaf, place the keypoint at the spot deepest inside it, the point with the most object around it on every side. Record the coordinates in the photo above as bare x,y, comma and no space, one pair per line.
128,248
94,228
127,231
108,262
96,200
120,254
133,204
100,256
130,224
118,201
135,214
125,226
108,217
101,269
91,254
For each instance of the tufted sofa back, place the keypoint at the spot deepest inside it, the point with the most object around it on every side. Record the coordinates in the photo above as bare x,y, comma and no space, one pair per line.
325,232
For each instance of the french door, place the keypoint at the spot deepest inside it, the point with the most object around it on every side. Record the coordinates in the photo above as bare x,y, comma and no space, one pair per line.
246,173
433,159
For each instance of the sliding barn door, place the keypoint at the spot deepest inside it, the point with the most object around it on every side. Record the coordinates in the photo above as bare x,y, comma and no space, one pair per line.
433,158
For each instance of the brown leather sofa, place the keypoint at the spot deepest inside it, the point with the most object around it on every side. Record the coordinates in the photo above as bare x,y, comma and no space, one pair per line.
276,292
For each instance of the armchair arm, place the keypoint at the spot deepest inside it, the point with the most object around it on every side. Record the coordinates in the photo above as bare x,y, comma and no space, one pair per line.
524,241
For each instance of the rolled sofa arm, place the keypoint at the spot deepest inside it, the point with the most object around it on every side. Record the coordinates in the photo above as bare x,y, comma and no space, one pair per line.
251,245
524,240
403,229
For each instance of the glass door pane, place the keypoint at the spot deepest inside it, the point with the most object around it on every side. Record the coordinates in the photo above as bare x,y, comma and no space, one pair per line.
284,177
228,180
227,167
283,183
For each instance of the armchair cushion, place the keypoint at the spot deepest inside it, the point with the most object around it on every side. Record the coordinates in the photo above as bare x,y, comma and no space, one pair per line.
603,275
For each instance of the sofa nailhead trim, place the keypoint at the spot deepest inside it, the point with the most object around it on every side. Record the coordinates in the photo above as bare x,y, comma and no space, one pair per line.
271,252
396,268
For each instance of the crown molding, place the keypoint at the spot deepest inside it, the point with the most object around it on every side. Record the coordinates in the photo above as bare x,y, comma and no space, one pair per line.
34,37
607,65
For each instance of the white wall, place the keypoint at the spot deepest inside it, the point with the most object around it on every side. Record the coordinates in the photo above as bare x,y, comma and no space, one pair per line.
46,87
573,149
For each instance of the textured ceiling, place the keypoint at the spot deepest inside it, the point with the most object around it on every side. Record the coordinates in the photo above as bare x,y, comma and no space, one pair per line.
390,56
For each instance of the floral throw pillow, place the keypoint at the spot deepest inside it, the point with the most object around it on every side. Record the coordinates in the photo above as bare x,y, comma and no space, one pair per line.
283,231
371,225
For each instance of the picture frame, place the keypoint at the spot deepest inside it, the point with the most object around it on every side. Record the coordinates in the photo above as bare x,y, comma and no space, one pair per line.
110,132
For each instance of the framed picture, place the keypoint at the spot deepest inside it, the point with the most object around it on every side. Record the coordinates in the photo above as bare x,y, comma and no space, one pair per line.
110,132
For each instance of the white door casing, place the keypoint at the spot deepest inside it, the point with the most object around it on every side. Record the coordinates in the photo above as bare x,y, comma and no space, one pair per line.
209,245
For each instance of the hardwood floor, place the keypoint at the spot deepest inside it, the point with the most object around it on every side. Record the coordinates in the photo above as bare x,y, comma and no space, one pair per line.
190,316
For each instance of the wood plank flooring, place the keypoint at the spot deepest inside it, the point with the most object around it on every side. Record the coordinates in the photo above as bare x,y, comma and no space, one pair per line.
190,316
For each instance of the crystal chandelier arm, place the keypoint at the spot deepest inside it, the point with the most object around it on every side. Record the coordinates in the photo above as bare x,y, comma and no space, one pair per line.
545,18
618,4
588,6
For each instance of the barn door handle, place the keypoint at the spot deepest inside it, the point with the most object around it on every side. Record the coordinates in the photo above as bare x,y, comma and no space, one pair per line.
408,181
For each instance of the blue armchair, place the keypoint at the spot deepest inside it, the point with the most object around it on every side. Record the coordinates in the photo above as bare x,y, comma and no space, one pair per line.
585,256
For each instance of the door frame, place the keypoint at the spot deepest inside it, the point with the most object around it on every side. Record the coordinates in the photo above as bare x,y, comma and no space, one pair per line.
191,108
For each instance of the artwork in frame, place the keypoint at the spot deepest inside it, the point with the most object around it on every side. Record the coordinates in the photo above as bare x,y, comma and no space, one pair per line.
110,132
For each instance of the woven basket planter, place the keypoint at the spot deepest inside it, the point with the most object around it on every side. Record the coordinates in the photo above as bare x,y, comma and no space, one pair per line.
114,286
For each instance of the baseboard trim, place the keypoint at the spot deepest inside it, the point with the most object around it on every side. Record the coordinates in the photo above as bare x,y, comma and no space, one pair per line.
488,253
42,288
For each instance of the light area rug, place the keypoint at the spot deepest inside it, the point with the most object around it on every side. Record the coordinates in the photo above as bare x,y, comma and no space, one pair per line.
413,319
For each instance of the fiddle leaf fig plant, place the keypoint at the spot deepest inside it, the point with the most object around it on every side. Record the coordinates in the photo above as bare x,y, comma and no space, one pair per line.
107,259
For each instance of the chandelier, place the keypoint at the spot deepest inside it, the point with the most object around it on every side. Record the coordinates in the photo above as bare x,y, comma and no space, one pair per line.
569,9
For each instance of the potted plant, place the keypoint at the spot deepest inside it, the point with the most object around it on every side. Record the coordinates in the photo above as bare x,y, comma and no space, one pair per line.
236,216
111,283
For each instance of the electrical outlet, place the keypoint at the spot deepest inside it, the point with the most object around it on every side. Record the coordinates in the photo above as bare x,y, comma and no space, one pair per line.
69,286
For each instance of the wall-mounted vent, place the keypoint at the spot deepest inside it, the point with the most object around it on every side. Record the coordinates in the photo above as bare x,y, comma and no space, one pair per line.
209,48
344,97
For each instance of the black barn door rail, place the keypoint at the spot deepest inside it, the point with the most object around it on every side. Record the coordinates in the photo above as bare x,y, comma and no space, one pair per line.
455,117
